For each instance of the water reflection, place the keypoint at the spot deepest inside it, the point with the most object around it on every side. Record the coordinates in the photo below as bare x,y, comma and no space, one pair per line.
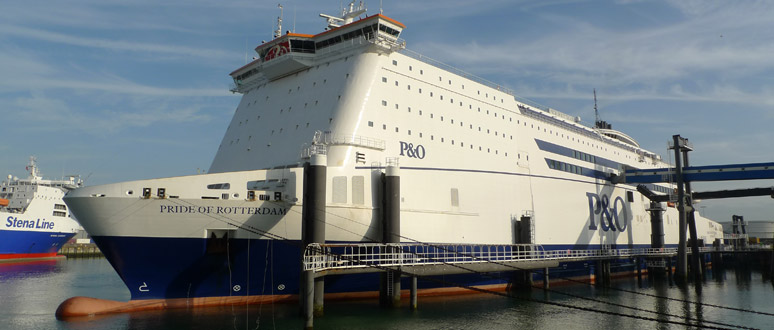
30,293
27,269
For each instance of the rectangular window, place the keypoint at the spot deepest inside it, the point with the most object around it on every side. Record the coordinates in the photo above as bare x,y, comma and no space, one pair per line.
358,195
339,189
455,197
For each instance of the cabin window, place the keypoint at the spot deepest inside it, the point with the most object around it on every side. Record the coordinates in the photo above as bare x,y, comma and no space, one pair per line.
220,186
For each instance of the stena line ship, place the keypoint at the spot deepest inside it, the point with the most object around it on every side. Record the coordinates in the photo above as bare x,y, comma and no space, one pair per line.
35,220
473,157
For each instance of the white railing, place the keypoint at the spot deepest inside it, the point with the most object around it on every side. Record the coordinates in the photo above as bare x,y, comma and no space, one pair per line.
353,140
345,256
351,256
323,257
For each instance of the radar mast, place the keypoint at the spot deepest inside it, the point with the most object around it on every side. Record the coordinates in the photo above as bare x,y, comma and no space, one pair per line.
599,123
347,15
278,31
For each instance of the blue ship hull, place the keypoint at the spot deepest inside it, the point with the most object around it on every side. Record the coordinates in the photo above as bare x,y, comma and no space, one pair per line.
18,244
168,268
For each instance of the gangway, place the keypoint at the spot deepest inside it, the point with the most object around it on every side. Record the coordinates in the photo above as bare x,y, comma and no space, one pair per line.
752,171
446,259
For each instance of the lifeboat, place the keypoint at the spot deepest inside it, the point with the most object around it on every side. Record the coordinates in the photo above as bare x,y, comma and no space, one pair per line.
3,202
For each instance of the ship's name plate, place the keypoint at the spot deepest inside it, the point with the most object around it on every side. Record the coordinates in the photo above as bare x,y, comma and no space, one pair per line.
189,209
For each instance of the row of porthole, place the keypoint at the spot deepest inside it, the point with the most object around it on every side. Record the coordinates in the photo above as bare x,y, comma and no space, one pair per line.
384,103
488,131
440,78
451,100
397,106
432,138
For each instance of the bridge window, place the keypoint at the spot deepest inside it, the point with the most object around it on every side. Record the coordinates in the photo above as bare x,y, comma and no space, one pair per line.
302,46
388,30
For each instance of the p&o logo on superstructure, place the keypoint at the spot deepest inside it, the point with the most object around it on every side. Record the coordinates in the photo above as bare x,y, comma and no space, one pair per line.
411,151
610,216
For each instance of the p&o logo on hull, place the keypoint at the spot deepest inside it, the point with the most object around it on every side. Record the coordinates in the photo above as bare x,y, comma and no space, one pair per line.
409,150
611,217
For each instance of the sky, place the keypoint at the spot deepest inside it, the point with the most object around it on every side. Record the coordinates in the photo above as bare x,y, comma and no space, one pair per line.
117,91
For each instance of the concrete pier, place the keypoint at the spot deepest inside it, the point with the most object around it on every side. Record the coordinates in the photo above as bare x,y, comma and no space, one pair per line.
75,250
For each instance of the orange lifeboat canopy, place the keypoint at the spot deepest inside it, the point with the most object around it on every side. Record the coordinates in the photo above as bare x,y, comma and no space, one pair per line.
3,202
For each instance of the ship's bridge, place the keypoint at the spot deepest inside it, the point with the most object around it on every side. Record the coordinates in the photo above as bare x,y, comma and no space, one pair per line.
618,135
292,52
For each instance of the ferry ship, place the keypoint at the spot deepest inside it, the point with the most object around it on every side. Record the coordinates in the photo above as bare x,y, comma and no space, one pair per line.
35,220
473,158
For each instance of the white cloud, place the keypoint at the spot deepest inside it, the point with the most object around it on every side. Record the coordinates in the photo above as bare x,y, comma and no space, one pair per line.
114,45
684,60
54,114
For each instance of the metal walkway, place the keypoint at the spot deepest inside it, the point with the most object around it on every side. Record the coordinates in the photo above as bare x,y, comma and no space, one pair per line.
438,259
754,171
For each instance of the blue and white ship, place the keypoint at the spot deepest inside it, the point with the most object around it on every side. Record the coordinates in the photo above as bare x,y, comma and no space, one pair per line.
34,221
473,157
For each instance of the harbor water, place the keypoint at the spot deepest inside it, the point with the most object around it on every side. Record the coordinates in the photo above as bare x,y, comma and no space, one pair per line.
30,293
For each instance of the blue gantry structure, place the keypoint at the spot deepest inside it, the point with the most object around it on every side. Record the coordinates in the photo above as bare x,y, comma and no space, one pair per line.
683,174
732,172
